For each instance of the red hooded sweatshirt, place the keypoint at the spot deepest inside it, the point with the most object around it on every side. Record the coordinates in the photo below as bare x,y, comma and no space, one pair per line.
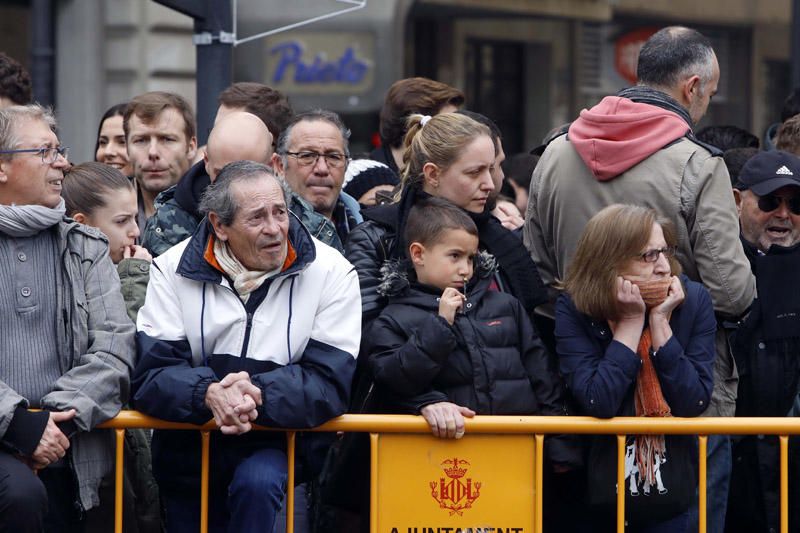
618,133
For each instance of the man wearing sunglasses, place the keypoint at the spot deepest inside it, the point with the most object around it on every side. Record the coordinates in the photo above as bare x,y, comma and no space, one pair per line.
66,342
766,345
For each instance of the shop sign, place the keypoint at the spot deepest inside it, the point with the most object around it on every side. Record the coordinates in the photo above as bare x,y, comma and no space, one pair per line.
321,63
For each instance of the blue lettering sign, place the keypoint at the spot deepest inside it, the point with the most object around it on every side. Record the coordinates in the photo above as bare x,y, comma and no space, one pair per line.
348,69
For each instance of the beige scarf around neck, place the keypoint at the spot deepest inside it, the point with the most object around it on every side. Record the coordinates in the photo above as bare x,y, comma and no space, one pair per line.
244,281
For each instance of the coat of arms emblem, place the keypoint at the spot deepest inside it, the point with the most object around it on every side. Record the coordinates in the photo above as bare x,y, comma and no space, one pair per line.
455,492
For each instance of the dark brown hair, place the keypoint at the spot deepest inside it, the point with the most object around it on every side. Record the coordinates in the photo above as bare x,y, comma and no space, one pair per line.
86,186
429,219
413,95
611,238
15,82
149,106
268,104
113,111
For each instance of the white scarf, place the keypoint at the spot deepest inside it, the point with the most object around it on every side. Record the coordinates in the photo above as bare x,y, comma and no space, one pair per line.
27,220
244,281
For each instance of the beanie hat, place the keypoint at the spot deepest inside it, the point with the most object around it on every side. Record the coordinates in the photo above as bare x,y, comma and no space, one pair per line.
364,174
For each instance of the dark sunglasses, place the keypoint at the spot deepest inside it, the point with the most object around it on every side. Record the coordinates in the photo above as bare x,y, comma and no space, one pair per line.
770,202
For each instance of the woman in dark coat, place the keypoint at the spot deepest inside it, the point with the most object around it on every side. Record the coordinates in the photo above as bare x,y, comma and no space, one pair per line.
440,154
636,338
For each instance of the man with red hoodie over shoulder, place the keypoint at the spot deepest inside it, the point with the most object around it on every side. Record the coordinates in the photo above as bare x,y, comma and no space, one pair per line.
638,148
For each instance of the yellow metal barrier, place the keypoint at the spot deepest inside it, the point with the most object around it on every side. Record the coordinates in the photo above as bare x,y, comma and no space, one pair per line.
539,426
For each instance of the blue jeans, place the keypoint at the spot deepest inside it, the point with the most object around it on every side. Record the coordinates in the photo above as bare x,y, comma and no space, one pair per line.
254,496
719,462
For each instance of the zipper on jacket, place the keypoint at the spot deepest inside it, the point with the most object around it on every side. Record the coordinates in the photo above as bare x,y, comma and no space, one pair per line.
248,326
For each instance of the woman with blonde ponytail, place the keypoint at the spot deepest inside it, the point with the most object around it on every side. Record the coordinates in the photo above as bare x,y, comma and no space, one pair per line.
449,156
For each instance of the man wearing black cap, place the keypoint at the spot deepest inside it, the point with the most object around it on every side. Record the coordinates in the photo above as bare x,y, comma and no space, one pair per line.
767,346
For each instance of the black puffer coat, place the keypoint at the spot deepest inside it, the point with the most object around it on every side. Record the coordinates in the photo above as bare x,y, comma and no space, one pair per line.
489,360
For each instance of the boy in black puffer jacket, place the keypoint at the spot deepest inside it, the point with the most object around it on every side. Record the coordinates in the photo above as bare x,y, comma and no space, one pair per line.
449,345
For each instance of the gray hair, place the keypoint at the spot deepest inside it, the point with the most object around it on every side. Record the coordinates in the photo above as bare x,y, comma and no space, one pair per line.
282,146
673,54
11,117
218,196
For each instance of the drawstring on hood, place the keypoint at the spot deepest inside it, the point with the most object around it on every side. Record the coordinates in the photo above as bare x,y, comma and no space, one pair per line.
622,131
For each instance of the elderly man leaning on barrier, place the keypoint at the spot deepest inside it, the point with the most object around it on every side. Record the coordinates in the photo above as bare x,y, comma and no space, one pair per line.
251,320
65,339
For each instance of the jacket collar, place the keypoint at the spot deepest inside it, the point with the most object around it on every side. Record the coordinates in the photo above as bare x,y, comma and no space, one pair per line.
193,265
190,188
398,279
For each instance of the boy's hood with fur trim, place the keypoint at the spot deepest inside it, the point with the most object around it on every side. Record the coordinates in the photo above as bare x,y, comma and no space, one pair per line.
395,274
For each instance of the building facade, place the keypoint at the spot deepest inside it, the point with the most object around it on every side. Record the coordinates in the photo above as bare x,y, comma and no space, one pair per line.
531,65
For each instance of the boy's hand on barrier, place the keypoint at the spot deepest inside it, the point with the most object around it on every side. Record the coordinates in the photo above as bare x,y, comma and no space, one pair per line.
446,419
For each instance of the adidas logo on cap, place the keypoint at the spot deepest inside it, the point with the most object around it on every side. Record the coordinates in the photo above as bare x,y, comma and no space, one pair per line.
784,171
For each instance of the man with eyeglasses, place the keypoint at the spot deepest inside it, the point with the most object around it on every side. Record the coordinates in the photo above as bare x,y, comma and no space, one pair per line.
767,345
312,156
66,343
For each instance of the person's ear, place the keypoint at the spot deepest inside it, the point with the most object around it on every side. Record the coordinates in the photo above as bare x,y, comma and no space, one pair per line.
416,251
191,152
277,164
3,164
738,197
219,230
79,217
431,174
691,88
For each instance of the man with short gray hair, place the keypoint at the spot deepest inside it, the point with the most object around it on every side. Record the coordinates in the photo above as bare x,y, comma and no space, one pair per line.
66,342
638,148
312,156
251,320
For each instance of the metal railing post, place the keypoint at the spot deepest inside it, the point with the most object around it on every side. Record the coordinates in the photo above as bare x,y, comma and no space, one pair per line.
290,440
118,473
621,440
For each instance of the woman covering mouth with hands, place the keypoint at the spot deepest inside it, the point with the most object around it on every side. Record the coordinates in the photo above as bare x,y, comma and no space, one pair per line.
636,338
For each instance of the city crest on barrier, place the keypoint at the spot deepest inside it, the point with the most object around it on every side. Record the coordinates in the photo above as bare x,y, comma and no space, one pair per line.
455,492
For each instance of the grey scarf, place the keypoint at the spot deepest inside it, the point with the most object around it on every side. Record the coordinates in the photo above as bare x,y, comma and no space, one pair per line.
27,220
648,95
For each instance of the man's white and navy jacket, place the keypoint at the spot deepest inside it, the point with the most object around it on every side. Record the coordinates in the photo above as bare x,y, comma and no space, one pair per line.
297,336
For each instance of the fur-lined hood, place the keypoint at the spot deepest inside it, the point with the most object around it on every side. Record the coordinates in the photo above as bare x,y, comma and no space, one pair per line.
395,274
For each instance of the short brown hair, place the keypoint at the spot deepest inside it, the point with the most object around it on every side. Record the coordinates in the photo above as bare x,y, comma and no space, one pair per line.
149,106
788,136
430,218
413,95
268,104
611,238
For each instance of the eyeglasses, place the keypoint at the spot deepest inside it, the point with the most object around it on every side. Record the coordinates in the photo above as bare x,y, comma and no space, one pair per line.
770,202
651,256
48,155
333,159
